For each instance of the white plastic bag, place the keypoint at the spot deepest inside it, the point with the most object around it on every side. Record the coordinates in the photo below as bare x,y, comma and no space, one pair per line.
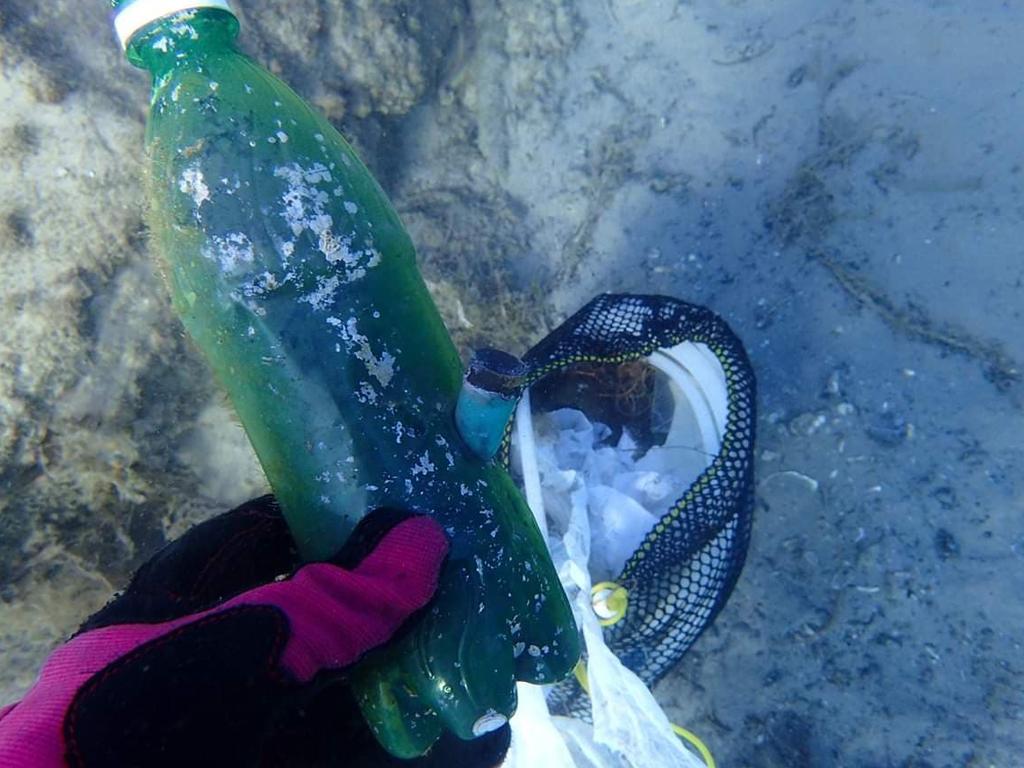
574,487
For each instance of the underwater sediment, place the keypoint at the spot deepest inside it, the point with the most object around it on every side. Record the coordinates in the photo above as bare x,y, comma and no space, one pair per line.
837,184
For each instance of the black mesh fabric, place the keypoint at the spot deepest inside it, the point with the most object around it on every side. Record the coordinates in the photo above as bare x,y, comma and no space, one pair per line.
684,570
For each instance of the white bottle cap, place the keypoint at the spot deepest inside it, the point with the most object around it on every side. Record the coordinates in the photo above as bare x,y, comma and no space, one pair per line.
133,16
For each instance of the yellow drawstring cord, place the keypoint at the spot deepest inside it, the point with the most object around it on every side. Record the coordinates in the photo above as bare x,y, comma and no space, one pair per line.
610,601
694,740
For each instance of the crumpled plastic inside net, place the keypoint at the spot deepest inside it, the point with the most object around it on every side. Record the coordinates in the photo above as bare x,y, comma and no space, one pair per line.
624,495
600,500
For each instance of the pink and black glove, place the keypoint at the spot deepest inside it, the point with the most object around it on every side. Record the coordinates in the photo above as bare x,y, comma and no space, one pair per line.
210,658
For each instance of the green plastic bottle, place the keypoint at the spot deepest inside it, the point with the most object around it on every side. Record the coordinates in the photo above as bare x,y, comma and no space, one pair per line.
294,276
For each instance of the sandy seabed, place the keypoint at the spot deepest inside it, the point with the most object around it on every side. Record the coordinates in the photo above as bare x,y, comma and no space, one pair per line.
840,180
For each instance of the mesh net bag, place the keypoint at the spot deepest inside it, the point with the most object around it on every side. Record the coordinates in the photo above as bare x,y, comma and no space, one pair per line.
682,573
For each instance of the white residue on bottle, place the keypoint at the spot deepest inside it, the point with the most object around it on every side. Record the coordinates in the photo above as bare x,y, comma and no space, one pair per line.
303,203
231,186
179,25
305,208
366,393
192,184
322,296
381,367
229,250
424,466
336,249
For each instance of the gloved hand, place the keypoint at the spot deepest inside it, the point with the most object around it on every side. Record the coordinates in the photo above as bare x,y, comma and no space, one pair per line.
212,657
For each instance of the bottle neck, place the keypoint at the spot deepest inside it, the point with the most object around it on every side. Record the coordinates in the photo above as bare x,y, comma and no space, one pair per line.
159,34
